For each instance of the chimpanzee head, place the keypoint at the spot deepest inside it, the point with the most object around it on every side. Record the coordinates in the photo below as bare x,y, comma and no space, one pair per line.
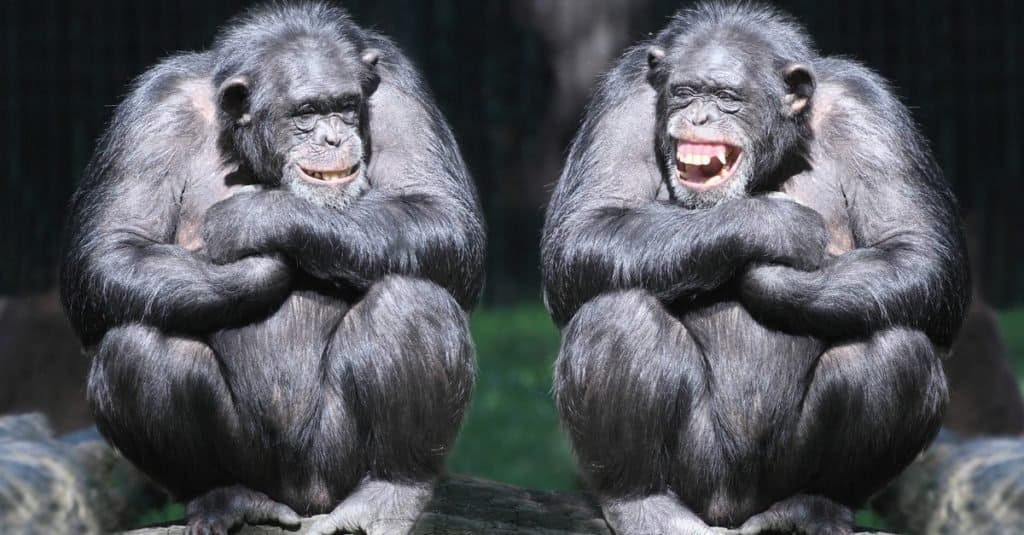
734,97
295,114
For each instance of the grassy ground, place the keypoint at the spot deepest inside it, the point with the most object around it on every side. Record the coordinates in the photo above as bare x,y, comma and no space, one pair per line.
511,433
1012,323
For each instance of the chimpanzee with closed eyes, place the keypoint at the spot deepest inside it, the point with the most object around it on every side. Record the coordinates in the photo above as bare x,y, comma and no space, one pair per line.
271,257
756,266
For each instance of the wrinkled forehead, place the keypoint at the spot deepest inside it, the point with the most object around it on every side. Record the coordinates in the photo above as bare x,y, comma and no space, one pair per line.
309,68
723,58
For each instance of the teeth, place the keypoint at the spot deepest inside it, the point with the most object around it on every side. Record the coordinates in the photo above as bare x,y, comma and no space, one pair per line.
694,159
721,155
329,176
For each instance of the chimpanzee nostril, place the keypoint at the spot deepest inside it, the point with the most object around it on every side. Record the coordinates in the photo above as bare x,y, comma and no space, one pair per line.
330,131
328,135
700,119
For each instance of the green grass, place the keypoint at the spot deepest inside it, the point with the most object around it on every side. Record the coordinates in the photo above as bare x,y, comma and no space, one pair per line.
1012,323
511,433
168,513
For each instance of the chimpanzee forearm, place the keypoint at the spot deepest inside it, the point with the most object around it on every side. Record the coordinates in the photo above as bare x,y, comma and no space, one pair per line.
669,251
122,278
866,290
377,235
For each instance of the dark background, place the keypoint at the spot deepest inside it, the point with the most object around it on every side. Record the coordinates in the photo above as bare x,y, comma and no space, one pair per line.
512,77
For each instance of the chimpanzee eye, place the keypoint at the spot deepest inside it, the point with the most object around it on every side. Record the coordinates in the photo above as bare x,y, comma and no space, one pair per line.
305,117
683,91
728,101
726,95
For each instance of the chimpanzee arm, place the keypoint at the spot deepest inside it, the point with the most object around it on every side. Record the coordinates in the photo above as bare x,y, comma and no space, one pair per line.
119,261
607,230
420,216
909,266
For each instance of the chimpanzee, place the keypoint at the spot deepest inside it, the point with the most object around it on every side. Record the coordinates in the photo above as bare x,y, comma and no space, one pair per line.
757,266
271,257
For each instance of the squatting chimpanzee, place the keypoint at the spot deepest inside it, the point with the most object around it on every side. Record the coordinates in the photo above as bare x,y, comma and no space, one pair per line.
271,255
732,357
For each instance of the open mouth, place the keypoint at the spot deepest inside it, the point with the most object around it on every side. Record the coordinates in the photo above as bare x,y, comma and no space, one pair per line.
329,176
703,165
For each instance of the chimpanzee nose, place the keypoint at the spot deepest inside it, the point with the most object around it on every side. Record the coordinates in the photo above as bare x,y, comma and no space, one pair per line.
701,118
332,137
330,132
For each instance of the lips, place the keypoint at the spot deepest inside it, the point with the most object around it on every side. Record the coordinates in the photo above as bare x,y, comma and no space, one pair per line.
329,176
703,165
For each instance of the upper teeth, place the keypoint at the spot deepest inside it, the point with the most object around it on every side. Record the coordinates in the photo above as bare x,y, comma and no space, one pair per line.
702,159
330,175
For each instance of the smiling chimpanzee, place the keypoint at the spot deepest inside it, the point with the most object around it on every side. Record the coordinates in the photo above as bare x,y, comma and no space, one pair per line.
271,256
732,357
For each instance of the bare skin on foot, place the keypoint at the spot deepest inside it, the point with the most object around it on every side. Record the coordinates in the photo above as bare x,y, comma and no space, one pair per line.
225,508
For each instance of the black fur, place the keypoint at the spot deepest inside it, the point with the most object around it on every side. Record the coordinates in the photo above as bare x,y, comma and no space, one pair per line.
713,352
294,339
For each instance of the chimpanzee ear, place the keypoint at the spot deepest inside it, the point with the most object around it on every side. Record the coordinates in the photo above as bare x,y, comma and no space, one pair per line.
233,98
655,72
370,56
799,87
654,56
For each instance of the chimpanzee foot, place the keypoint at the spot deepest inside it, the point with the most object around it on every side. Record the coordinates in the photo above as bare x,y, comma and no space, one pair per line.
222,509
809,515
660,514
377,508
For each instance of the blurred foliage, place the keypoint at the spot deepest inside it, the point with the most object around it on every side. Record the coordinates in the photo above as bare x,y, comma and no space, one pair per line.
171,512
512,433
1012,324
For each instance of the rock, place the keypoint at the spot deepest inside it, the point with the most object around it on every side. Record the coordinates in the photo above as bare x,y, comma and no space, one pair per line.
972,486
72,485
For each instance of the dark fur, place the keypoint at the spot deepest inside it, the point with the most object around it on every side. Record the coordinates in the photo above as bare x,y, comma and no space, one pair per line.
712,352
307,345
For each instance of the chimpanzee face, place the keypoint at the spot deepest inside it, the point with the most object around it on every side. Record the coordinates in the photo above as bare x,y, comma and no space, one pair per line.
724,118
306,124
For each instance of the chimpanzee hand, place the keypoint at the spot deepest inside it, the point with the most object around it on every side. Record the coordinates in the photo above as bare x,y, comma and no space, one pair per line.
790,234
256,279
237,227
776,289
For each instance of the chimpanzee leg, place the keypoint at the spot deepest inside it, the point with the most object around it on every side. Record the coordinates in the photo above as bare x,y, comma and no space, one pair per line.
871,407
403,355
164,404
162,401
626,381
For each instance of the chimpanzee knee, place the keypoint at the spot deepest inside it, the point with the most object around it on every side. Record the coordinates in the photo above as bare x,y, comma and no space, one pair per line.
137,374
406,349
870,409
625,382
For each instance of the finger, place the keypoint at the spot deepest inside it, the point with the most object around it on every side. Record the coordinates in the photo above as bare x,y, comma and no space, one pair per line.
270,511
337,520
